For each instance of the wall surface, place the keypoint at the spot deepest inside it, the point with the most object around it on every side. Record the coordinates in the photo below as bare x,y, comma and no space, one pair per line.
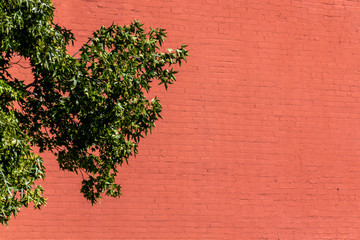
260,137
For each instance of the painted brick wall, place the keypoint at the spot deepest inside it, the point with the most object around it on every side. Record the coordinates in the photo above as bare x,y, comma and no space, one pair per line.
260,137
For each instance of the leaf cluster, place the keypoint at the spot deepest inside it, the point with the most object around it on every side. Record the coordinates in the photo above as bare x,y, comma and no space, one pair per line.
90,110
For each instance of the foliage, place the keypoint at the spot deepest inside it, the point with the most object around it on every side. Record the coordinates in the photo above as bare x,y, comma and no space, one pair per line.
90,110
19,167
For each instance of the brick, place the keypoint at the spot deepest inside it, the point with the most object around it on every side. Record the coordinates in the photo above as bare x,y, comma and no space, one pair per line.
260,134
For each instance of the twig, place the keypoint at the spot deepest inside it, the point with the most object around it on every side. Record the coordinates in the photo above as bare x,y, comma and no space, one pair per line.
82,47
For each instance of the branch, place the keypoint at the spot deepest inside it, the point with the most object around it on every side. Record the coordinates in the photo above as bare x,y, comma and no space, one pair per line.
82,47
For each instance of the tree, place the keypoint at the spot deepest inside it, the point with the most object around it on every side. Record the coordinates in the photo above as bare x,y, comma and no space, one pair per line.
89,109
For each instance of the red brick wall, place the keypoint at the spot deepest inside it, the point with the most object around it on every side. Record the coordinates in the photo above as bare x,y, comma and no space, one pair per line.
260,137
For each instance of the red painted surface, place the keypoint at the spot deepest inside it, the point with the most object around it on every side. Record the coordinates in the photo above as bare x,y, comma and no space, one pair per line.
260,137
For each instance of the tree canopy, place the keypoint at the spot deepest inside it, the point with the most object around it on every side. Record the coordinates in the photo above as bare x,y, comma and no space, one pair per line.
89,109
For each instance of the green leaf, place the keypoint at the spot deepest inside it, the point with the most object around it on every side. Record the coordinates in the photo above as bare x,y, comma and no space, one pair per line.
90,111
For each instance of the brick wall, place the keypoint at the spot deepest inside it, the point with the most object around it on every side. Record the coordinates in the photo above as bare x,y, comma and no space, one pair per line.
260,137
